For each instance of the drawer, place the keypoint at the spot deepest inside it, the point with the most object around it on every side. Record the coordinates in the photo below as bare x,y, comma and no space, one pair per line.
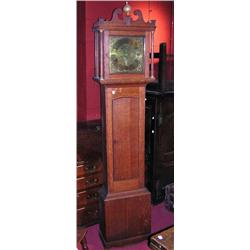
86,182
88,167
87,197
88,215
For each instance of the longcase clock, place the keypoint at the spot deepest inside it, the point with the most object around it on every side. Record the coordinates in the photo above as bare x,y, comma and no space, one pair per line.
123,67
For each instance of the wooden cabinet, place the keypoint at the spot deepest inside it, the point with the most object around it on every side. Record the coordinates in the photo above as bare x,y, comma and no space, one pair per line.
160,128
89,172
159,142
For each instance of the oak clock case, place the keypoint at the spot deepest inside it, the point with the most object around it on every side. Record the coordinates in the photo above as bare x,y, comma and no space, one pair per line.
122,68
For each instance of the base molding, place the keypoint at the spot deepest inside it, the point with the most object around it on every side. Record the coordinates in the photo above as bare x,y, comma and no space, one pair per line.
127,241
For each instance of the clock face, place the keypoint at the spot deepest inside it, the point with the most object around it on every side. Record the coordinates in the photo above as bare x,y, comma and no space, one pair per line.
126,54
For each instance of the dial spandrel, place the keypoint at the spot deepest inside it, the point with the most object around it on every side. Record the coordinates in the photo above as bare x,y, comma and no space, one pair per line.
126,54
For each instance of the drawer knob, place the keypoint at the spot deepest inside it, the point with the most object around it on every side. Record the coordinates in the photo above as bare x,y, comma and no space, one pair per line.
90,167
93,212
95,180
93,196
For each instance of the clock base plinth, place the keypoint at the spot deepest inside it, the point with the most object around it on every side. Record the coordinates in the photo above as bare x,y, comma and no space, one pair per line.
123,242
125,217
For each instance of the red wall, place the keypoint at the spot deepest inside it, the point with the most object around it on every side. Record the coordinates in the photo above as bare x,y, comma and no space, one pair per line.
88,92
81,62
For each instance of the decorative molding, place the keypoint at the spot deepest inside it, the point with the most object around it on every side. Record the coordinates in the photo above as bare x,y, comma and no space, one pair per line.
127,20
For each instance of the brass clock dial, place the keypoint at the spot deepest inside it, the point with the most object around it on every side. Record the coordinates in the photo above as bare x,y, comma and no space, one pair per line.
126,54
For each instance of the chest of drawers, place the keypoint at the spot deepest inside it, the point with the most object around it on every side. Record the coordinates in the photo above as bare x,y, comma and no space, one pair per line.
89,181
89,174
